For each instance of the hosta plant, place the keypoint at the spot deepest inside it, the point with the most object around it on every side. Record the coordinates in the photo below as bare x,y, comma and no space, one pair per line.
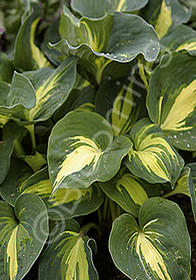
97,133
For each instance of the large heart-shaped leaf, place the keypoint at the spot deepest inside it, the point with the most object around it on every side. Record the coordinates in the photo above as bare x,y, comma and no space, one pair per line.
87,151
68,256
65,203
11,132
27,55
152,157
23,232
157,247
98,42
96,9
173,87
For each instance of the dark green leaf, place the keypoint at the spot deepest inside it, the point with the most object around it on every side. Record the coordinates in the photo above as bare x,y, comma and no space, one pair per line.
23,232
157,247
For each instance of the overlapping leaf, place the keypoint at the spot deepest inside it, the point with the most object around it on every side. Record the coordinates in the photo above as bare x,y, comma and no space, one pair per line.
11,133
23,232
98,42
82,97
18,173
171,100
65,203
87,153
18,98
164,15
185,186
157,247
52,88
36,95
192,187
27,55
152,157
6,68
180,38
127,191
51,35
68,257
96,9
121,101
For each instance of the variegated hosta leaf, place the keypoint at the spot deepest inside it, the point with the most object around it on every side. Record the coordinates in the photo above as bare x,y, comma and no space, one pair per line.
181,38
87,151
51,35
27,55
6,68
120,101
164,19
96,9
36,95
192,5
192,187
11,132
36,161
65,203
182,185
127,191
18,173
52,87
4,90
17,98
185,186
157,247
68,257
81,96
193,172
171,100
23,232
98,42
165,15
152,157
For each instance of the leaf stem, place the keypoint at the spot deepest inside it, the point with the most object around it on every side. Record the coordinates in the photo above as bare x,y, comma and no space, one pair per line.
87,227
31,130
18,148
113,210
105,209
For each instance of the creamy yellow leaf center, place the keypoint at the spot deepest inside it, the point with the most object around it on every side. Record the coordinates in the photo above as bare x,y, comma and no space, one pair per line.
86,152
